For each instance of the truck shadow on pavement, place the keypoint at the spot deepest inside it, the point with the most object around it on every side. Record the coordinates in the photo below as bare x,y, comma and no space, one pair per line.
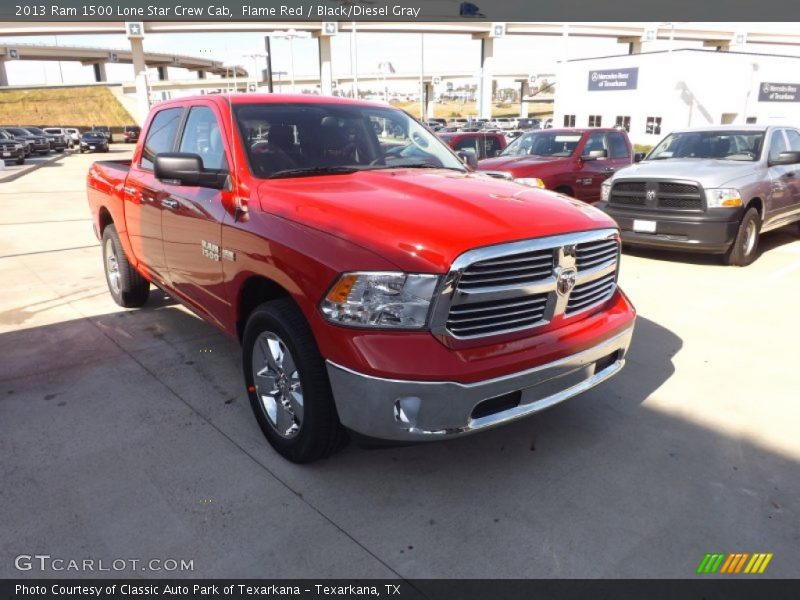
150,443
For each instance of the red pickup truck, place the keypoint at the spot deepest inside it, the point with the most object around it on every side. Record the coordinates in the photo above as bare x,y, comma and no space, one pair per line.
376,284
575,162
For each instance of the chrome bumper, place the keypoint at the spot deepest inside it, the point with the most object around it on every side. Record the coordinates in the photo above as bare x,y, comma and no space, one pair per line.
394,409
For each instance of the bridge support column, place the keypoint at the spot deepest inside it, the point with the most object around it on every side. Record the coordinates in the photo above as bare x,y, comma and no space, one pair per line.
201,74
325,66
485,85
524,90
429,103
3,74
100,72
162,73
634,44
140,73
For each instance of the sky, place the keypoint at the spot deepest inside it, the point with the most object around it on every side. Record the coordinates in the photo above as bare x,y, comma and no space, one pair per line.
441,52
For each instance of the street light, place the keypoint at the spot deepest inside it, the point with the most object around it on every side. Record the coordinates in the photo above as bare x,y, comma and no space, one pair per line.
291,34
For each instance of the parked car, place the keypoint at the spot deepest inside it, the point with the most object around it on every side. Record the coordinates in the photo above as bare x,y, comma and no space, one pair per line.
574,162
74,135
36,143
712,189
131,133
58,142
60,132
93,141
482,144
11,148
370,288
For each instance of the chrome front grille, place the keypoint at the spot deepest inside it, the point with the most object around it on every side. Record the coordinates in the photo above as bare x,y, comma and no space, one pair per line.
521,285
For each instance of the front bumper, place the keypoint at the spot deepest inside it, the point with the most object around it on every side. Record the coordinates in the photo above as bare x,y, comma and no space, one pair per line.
393,409
699,231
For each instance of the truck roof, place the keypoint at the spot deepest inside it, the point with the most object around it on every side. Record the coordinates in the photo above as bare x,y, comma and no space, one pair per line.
752,127
253,98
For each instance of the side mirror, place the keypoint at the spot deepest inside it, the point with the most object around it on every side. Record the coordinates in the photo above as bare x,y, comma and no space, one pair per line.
468,157
786,158
594,155
184,168
495,153
639,157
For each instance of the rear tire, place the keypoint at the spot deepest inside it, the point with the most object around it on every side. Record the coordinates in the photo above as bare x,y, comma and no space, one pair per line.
744,249
127,287
288,385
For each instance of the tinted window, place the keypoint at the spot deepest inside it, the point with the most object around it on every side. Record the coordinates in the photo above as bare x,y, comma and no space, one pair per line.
202,136
492,145
777,144
617,146
794,140
161,135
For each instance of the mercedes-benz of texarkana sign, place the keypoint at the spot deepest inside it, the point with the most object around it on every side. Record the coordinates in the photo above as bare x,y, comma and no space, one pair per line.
377,284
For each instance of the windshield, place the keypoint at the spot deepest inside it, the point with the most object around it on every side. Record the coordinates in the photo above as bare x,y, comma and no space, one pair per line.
93,136
721,145
35,130
542,143
17,131
290,140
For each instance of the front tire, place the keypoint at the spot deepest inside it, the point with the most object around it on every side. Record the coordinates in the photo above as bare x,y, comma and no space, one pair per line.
744,249
127,287
288,384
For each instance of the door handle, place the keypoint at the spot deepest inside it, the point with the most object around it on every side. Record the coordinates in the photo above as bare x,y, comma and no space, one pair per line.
609,169
169,203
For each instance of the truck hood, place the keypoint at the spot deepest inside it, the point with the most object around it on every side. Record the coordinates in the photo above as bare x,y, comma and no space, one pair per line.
516,165
422,220
706,171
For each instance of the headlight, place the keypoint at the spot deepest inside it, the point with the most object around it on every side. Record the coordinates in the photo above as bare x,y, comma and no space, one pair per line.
605,191
531,181
723,198
378,299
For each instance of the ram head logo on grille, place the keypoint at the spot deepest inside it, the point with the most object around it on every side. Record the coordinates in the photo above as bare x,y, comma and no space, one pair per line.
651,195
565,281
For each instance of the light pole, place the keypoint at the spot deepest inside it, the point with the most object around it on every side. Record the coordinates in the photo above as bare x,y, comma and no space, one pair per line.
291,34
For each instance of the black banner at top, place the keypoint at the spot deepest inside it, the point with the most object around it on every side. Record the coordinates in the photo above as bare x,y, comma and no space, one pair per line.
398,10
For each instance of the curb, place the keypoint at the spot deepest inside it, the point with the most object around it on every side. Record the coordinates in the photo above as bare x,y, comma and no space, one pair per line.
31,168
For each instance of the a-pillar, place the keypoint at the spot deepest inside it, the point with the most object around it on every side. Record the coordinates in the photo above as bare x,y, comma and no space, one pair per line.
3,74
524,90
100,72
325,66
485,84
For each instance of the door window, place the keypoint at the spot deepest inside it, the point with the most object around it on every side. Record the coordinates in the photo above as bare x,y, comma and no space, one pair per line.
617,146
596,141
492,146
467,143
160,135
794,140
777,144
202,136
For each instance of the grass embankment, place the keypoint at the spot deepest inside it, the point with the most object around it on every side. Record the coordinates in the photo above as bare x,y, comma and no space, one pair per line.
446,110
79,107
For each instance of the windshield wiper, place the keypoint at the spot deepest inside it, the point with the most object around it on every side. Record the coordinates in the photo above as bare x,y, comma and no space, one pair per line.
309,171
418,166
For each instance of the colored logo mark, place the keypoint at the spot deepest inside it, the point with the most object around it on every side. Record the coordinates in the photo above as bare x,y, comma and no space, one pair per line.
740,562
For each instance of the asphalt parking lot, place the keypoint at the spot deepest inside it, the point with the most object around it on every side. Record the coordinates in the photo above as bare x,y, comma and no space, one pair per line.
128,435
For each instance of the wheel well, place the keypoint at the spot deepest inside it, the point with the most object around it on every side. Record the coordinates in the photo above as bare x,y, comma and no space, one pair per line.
759,206
255,292
104,219
564,189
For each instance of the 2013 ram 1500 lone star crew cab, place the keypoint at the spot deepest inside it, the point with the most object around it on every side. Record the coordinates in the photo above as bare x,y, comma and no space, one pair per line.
712,189
391,293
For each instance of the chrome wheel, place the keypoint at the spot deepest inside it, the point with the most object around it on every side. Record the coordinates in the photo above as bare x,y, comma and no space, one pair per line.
750,238
112,267
277,384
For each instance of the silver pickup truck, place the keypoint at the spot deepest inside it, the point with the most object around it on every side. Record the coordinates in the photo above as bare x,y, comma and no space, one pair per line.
712,189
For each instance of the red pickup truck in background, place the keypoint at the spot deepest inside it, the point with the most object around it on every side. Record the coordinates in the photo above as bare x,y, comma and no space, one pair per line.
571,161
485,144
375,283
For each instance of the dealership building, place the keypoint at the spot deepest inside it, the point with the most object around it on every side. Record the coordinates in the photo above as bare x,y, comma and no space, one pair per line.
651,94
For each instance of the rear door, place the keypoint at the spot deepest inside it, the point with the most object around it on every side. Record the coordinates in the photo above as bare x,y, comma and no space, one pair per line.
193,217
144,194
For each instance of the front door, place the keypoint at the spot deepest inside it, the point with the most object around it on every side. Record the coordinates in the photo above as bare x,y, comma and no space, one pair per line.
143,195
784,180
193,219
591,174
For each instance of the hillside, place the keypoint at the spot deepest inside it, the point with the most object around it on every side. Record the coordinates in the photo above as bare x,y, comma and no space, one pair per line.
67,107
